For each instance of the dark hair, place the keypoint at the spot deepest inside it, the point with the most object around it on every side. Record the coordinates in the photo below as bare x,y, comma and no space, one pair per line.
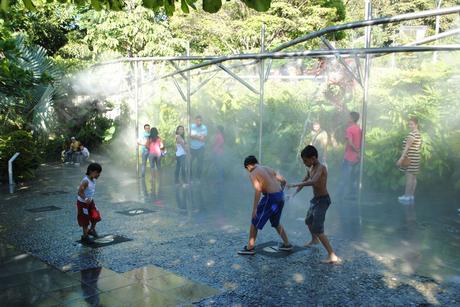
414,120
250,160
354,116
93,167
154,134
309,151
221,129
146,125
198,117
183,133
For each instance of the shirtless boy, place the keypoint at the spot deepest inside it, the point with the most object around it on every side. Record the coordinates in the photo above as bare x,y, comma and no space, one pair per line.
270,184
317,178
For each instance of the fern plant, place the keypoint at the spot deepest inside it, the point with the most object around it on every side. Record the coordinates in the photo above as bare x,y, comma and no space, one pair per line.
29,84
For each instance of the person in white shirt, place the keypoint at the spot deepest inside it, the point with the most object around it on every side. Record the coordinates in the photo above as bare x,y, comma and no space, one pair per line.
181,155
198,135
83,154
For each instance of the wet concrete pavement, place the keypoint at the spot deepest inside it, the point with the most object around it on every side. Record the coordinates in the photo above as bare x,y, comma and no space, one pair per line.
393,254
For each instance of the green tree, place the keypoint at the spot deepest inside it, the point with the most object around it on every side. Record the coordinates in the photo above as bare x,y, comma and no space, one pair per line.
166,6
236,29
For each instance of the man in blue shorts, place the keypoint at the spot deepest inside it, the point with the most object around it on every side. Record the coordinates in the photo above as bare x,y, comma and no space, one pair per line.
270,184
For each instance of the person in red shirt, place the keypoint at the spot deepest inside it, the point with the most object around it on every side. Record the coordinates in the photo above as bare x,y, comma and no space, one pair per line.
349,184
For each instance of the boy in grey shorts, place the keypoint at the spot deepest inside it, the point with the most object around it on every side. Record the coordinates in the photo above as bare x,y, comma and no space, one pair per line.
317,178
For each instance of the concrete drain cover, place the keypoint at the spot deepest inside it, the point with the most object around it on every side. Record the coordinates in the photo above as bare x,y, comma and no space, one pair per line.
270,249
44,209
136,211
106,240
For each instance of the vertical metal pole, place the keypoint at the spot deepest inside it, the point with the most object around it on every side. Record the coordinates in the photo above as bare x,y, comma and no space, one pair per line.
438,20
368,15
189,114
10,172
136,98
261,90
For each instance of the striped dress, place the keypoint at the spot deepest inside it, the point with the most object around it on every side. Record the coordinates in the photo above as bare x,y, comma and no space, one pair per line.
413,152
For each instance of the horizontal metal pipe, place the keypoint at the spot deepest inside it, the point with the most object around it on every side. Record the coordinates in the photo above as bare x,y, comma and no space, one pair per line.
435,37
371,22
158,59
319,53
425,40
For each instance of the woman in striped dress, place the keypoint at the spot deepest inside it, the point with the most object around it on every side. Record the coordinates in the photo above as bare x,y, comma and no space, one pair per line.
411,149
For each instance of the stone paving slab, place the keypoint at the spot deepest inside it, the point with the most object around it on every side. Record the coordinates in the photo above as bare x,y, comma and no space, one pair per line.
27,281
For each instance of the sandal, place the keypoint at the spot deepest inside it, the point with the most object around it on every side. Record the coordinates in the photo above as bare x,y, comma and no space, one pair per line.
246,251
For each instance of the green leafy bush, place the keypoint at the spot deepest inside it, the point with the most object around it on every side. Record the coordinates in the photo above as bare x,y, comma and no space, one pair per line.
28,160
51,149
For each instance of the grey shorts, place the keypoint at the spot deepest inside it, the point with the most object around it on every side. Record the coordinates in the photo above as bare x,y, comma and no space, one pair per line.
317,213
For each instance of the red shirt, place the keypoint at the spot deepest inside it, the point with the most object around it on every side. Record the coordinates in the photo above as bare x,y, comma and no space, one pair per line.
218,146
353,133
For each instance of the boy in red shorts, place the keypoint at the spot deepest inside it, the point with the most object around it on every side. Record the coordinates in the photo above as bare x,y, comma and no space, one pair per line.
87,212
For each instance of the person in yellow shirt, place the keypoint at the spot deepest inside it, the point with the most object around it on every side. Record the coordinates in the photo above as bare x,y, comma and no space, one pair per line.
74,147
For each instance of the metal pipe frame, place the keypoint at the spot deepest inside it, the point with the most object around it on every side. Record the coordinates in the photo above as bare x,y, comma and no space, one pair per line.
370,22
277,54
203,83
136,98
435,37
321,54
261,90
235,76
189,115
367,64
341,61
347,26
176,84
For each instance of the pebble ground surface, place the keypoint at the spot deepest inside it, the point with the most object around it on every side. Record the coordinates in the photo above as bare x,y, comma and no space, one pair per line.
195,232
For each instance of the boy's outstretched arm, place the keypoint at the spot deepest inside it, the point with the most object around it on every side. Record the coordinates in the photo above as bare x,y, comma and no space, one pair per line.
308,181
299,188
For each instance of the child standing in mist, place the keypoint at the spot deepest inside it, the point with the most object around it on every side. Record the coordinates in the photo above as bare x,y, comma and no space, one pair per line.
317,178
87,212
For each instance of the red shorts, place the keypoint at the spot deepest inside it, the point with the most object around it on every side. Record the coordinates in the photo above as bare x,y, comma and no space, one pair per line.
87,213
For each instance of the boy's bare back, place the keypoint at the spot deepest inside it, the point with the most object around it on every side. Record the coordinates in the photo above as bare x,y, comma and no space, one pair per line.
265,179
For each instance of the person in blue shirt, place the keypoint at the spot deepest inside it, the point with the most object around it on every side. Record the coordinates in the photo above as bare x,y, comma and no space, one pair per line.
198,135
144,150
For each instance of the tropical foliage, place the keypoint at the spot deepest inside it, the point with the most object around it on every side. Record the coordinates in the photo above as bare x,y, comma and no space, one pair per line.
166,6
44,45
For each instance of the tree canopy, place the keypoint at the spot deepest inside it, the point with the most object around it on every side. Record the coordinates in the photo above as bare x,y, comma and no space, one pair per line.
166,6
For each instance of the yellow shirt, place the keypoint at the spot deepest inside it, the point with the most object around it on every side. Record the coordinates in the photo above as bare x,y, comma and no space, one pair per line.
75,145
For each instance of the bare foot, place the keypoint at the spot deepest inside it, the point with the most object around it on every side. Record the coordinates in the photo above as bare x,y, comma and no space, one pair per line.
332,259
311,243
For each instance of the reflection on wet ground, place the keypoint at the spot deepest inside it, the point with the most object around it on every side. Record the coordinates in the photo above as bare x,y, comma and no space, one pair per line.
27,281
195,231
